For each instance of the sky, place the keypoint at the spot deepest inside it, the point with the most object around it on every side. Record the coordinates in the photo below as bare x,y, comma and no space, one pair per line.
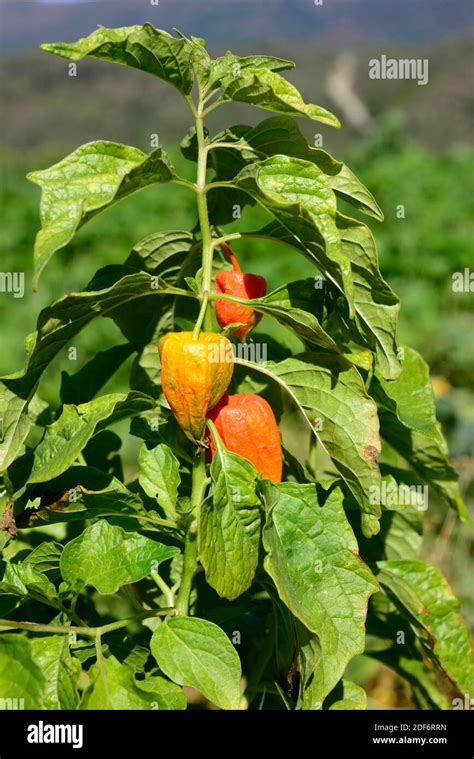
62,2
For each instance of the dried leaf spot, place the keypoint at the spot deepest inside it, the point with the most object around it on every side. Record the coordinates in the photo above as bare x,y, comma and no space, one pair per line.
372,455
8,522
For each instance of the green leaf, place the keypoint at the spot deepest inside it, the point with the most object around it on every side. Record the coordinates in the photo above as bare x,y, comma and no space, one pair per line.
331,396
16,423
408,423
297,652
296,306
107,557
82,386
349,188
61,670
197,653
298,194
232,65
411,397
384,643
167,696
45,557
161,253
146,371
229,524
281,135
102,451
24,579
57,325
375,305
313,560
142,47
20,676
142,322
137,656
423,682
158,474
115,687
401,525
120,507
267,89
85,650
422,593
294,468
90,494
89,180
346,695
362,359
167,430
65,438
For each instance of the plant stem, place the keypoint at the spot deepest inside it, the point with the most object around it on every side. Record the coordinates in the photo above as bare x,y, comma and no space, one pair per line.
213,105
163,586
217,241
189,570
55,605
90,632
184,183
199,483
202,315
232,258
199,479
100,661
207,250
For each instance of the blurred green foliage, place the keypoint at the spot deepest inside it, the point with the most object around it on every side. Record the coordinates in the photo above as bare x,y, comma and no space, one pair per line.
420,252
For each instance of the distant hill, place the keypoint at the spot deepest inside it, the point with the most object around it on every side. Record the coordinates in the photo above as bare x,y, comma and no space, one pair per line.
26,23
46,110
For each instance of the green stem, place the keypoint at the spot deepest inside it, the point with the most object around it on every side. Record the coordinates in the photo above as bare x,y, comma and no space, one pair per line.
202,315
100,661
217,241
189,570
57,605
214,185
90,632
213,105
163,586
184,183
199,483
205,315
